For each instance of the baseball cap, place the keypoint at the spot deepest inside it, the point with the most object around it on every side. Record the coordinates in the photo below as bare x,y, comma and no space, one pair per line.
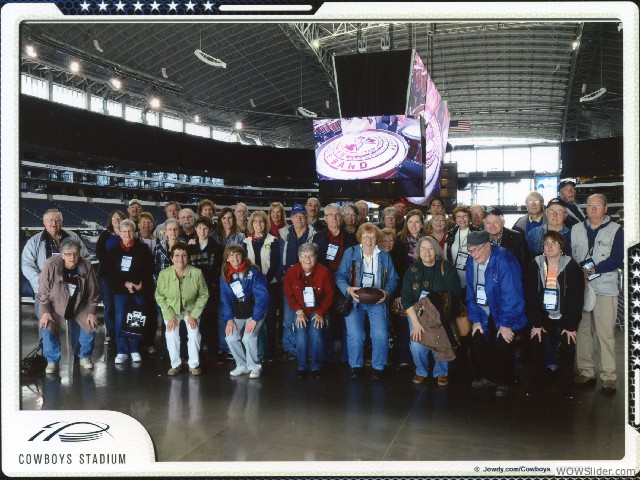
492,211
564,183
557,201
134,200
477,238
298,208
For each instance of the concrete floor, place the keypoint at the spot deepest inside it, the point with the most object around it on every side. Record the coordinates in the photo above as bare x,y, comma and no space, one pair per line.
280,418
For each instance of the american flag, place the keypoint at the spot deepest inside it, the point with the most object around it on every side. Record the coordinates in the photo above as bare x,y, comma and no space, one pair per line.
459,126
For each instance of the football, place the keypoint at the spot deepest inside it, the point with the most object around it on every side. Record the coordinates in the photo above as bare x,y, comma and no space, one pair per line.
369,295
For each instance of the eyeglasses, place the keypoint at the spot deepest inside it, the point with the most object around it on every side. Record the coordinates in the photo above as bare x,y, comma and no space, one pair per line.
533,202
473,251
332,215
551,243
595,205
556,213
307,256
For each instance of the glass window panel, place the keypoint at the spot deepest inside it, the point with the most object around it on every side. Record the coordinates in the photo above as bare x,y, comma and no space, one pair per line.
152,118
515,193
68,96
96,104
34,86
197,129
545,159
464,197
133,114
487,193
489,160
517,159
171,123
222,135
115,109
466,160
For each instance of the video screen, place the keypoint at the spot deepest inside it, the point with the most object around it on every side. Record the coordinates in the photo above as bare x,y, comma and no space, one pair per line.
384,147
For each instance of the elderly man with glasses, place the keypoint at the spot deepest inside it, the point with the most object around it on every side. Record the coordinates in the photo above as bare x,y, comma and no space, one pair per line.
555,213
597,244
495,305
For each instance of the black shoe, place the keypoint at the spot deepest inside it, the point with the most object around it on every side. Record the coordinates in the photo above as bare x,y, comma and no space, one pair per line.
503,391
288,356
356,372
377,374
302,374
267,360
228,358
317,374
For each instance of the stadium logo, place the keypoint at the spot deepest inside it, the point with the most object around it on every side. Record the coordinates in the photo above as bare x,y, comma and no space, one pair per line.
72,431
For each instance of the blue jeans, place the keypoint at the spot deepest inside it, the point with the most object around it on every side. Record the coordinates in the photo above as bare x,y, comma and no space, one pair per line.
310,345
106,293
288,319
123,342
379,322
82,342
421,354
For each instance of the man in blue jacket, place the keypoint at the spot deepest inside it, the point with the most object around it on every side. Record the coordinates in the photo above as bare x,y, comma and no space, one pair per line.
495,304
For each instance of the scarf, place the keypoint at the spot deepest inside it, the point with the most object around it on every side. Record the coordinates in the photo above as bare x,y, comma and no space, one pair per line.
275,227
231,270
124,247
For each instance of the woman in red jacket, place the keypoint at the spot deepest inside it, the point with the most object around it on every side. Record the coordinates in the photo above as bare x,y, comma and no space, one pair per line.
309,289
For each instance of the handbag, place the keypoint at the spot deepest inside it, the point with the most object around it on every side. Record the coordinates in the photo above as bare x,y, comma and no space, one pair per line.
34,361
344,303
135,319
589,299
462,321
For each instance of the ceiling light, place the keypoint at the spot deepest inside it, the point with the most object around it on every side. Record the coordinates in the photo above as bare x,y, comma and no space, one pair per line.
307,113
31,51
74,67
116,83
575,44
315,43
196,118
164,72
592,96
209,60
154,103
96,44
238,125
252,102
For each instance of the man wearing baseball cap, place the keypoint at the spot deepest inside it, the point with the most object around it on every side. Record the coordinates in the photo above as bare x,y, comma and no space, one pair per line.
293,237
134,209
495,305
567,193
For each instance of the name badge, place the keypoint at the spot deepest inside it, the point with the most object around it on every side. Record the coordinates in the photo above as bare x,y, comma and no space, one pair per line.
461,260
332,251
586,265
367,279
423,294
72,288
481,295
125,265
309,297
236,287
550,299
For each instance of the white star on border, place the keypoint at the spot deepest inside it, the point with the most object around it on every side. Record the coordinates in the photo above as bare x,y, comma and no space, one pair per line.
635,361
636,303
208,6
636,318
138,6
154,6
636,288
190,5
636,331
85,6
173,5
120,5
635,345
636,273
636,258
103,6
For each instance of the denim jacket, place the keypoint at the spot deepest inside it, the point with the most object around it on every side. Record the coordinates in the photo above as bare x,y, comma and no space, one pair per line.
386,270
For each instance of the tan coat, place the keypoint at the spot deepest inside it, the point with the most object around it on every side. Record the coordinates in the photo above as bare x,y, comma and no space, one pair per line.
53,293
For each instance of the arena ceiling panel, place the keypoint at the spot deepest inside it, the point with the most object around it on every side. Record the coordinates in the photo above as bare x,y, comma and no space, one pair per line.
521,79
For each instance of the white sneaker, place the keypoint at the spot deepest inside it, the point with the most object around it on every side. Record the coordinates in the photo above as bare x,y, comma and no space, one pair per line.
86,363
121,358
236,372
52,367
135,357
255,373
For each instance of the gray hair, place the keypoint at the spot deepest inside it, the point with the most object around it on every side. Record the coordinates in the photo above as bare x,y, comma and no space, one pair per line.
127,223
69,244
308,248
193,214
389,211
332,205
171,220
434,243
52,210
601,195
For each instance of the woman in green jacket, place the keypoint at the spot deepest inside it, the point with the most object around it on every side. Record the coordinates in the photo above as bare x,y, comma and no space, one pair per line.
181,294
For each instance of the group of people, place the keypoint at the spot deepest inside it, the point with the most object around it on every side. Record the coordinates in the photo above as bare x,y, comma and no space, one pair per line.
248,287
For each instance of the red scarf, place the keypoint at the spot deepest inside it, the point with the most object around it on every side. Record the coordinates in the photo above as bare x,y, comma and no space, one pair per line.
231,270
275,227
124,247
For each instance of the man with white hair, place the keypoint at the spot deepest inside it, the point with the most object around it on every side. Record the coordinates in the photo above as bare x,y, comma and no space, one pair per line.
241,212
43,246
187,219
477,216
597,244
171,209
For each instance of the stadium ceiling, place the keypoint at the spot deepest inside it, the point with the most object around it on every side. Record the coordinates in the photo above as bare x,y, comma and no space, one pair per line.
523,79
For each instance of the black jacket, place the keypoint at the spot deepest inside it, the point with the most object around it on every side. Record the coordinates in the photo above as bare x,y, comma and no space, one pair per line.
516,243
140,270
